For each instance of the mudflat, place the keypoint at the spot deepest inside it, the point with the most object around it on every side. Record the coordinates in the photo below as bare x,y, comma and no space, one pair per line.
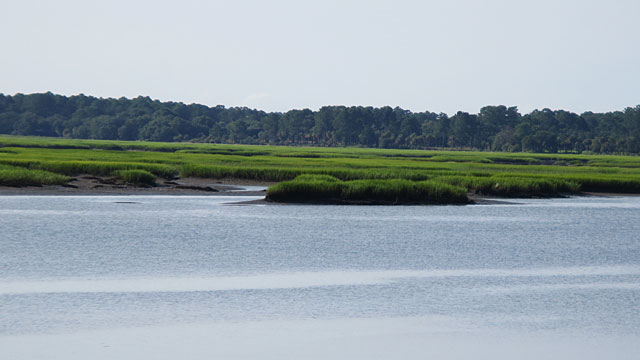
97,185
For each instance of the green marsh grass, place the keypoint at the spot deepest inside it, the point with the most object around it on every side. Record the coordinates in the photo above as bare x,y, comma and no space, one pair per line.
489,173
104,168
17,176
328,189
136,177
512,186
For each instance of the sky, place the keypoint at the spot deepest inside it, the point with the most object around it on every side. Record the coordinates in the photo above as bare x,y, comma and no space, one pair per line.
440,56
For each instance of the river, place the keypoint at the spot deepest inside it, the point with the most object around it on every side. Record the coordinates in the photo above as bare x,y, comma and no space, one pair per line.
199,277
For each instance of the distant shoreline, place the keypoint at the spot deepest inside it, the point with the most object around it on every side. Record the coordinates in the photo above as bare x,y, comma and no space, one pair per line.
88,185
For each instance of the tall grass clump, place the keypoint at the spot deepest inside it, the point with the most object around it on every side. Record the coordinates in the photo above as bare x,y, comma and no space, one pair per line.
328,189
442,193
136,177
16,176
513,186
306,188
400,191
604,183
526,187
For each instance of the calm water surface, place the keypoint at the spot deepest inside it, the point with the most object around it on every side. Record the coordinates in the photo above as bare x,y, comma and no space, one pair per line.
141,276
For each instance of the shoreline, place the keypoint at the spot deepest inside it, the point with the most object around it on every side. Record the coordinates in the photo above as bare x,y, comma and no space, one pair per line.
84,185
89,185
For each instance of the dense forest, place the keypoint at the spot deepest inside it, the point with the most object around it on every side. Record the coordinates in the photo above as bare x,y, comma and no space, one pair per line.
497,128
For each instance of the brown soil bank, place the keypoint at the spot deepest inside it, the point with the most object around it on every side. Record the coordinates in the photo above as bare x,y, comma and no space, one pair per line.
95,185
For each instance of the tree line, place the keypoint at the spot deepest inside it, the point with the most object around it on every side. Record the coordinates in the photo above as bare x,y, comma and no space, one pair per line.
495,128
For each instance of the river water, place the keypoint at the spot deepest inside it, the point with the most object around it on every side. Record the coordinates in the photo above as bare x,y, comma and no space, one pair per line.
167,277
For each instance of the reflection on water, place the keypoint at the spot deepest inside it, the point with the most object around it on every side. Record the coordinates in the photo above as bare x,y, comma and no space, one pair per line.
312,279
317,281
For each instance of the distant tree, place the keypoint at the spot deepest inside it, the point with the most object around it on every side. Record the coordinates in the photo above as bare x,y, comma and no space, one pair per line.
7,121
164,128
464,130
496,127
237,131
104,127
368,137
31,124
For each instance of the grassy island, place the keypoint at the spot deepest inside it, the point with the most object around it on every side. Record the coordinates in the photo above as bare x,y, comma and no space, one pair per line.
320,175
328,189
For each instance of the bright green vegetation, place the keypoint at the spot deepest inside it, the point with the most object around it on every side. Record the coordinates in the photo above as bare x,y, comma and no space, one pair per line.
136,177
18,176
357,174
325,188
512,185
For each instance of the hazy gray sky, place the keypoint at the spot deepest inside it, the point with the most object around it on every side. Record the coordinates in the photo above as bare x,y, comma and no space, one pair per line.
278,55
